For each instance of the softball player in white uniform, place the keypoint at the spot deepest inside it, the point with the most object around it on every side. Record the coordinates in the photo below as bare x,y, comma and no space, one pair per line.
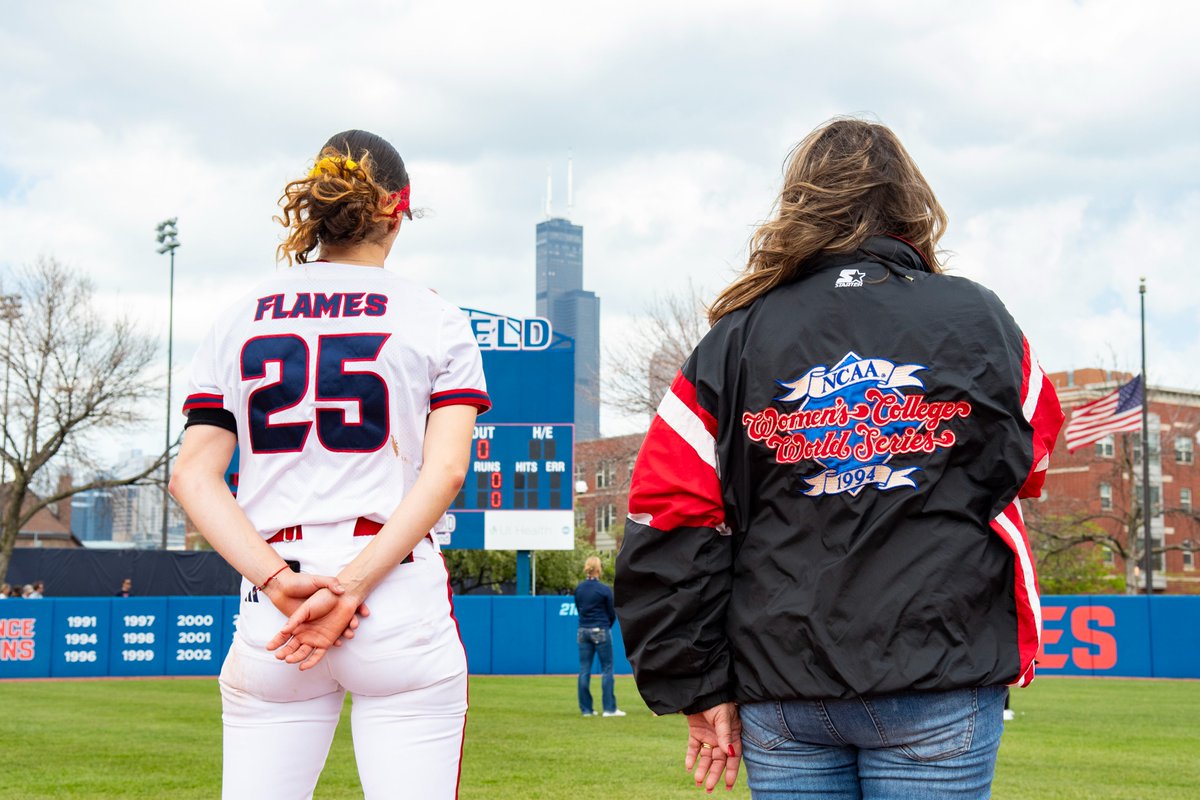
352,393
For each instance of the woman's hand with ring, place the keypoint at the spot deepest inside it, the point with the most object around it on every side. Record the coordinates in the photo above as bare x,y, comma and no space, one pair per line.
714,746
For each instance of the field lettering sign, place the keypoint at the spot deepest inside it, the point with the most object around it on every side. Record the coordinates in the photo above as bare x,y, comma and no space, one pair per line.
16,638
1097,649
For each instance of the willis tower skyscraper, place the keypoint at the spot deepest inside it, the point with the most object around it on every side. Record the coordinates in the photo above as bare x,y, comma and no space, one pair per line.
572,311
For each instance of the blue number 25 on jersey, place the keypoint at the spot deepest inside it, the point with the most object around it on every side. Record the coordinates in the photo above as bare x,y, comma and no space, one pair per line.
333,385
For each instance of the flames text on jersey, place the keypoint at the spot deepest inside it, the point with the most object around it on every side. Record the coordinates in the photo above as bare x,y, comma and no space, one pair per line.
311,305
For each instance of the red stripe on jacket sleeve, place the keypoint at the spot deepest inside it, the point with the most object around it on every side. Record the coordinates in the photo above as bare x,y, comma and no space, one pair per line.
1039,401
1010,526
685,390
675,482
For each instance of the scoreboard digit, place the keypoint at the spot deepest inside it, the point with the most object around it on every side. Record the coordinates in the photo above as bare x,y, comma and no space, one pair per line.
518,468
518,493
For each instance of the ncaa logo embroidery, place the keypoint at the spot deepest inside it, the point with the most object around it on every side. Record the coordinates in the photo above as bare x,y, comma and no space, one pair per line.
851,421
849,277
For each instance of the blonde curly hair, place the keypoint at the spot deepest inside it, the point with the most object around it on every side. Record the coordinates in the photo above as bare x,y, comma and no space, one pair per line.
349,196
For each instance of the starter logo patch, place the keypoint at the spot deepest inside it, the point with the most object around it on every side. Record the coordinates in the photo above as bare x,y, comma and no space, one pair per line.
851,420
849,277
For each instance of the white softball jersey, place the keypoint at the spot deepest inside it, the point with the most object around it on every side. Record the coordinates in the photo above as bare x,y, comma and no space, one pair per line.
330,371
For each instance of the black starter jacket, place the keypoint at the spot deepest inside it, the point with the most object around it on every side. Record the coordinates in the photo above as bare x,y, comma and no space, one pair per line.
826,504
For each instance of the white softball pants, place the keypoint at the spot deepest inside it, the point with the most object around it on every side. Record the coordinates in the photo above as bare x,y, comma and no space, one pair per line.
405,669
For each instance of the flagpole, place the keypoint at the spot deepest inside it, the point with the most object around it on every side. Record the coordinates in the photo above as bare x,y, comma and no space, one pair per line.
1149,541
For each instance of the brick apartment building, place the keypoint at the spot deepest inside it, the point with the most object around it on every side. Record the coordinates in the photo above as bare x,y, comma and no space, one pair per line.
1099,483
602,470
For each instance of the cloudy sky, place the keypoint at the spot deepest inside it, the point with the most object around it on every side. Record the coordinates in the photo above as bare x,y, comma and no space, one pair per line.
1060,137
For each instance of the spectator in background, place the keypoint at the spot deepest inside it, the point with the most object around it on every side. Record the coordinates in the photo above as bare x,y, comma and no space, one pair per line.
37,590
594,602
5,589
26,591
126,588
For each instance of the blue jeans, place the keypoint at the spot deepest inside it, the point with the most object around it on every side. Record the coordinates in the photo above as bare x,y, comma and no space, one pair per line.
595,642
904,746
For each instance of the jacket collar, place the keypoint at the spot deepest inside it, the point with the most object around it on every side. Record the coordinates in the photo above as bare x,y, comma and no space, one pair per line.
897,251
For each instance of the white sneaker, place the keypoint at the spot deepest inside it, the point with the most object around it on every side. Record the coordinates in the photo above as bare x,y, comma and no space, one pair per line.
593,714
617,713
1009,714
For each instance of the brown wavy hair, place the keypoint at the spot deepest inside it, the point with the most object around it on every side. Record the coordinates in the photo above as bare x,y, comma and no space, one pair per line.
347,200
847,181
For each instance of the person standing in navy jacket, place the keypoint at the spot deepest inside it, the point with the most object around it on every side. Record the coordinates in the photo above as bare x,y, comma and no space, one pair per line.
594,602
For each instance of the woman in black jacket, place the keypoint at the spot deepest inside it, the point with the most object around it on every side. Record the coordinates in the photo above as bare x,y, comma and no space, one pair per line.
825,562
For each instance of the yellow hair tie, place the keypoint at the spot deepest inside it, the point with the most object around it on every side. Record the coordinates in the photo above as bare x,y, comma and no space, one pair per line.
331,165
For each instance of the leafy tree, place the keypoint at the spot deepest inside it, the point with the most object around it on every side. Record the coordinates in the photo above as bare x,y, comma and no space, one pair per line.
1065,567
560,571
555,571
481,571
68,373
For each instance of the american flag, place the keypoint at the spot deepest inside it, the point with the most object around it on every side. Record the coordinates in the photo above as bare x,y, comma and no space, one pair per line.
1121,410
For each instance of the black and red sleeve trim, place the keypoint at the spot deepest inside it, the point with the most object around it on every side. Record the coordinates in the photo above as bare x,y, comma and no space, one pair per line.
217,417
460,397
195,401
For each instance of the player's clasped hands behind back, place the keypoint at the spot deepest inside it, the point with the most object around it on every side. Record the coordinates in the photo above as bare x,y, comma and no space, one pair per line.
320,612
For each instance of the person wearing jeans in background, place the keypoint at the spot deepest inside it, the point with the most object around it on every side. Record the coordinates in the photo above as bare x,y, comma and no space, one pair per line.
594,602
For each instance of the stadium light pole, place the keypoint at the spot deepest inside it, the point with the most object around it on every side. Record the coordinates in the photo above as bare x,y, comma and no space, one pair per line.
1149,540
168,241
10,312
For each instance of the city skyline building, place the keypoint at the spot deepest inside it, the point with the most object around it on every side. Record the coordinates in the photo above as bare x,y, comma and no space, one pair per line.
572,310
92,515
137,510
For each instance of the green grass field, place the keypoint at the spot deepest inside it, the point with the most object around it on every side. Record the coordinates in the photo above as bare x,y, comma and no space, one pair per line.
1089,739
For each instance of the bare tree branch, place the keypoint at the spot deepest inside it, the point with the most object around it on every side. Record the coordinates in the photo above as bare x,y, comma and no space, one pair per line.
638,371
99,483
68,373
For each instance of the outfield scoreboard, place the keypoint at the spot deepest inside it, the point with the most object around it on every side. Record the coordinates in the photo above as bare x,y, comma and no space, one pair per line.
518,468
518,491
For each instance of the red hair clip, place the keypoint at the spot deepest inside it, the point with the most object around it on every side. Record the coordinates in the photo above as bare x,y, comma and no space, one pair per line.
401,199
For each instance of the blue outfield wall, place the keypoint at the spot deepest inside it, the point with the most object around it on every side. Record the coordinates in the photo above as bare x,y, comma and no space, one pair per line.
75,637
